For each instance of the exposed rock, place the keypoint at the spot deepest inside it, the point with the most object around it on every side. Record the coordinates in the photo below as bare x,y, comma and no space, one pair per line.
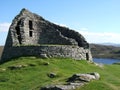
59,87
2,69
99,64
84,77
96,75
52,75
77,80
43,56
81,78
17,67
76,84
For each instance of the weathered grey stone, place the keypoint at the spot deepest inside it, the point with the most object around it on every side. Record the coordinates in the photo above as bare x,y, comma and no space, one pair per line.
52,75
2,69
15,67
32,35
81,78
97,75
77,84
76,81
84,77
98,64
43,56
59,87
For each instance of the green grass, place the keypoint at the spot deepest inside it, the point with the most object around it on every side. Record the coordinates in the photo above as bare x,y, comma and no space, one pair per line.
35,74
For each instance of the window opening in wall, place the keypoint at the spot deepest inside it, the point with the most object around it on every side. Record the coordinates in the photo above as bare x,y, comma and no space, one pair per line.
87,56
30,33
18,32
30,28
18,28
30,25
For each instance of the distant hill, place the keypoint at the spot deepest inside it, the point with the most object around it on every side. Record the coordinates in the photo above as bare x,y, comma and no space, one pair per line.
105,51
110,44
1,49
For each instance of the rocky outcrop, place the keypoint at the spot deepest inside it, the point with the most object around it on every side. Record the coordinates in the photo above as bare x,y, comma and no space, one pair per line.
76,81
59,87
84,77
29,30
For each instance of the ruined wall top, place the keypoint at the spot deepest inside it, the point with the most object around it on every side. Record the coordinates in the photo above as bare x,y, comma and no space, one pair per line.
31,29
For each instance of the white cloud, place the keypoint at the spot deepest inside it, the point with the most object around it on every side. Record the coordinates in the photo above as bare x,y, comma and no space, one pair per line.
4,27
63,25
101,37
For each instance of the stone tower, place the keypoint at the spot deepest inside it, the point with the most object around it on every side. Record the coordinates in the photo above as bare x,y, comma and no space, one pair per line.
32,35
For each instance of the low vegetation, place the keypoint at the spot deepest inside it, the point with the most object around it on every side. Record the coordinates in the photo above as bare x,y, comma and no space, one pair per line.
31,73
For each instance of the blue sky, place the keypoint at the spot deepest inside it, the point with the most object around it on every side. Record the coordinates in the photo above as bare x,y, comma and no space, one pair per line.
97,20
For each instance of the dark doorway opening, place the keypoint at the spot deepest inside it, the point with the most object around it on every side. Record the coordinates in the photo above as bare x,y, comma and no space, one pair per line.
18,32
87,56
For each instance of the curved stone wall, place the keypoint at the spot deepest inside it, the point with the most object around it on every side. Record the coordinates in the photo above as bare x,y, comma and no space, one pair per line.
65,51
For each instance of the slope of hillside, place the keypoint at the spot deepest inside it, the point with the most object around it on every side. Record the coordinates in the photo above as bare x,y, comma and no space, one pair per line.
35,73
103,51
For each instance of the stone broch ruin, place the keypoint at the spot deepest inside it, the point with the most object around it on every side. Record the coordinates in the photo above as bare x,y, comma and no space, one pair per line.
32,35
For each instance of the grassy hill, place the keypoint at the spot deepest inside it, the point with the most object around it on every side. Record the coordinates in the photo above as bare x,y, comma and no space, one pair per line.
103,51
35,73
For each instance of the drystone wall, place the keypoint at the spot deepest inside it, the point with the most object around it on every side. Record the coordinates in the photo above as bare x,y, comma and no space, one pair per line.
30,29
66,51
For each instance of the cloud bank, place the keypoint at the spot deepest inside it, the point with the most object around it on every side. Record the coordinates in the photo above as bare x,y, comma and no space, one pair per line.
4,27
101,37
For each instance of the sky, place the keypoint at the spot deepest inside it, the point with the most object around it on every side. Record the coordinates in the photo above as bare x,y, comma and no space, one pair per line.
97,20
